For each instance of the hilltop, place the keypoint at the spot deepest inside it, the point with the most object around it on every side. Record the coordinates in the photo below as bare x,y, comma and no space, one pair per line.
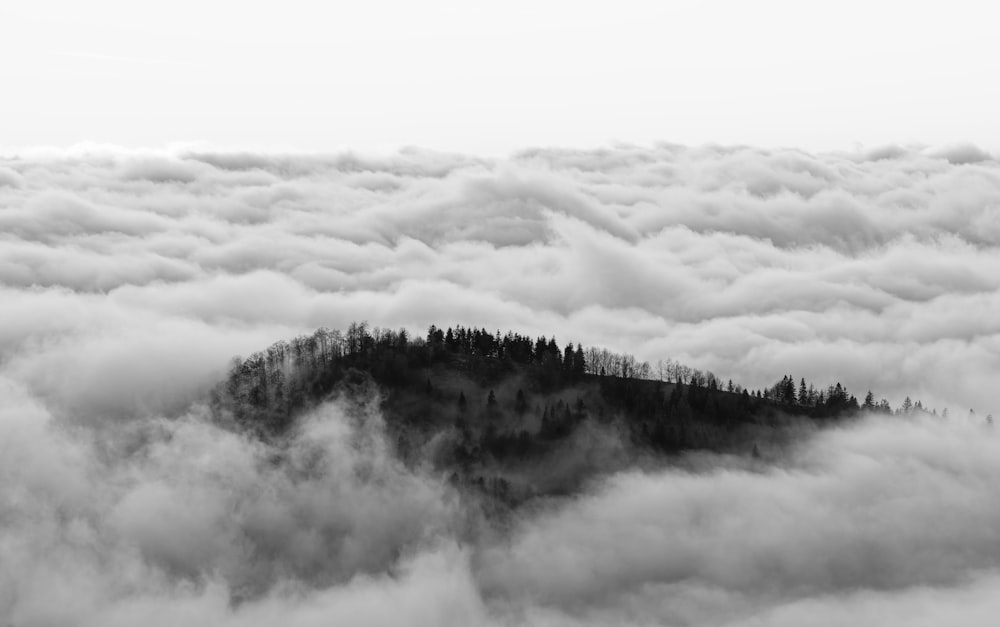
515,416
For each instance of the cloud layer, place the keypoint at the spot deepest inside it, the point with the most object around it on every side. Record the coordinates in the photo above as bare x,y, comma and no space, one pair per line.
877,269
163,522
128,280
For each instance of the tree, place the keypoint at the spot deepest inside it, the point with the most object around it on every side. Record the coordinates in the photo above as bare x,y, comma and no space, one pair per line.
540,348
552,349
869,400
520,403
579,362
907,406
358,338
567,360
435,336
643,370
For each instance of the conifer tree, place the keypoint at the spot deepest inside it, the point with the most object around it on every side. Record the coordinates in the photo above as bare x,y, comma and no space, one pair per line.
869,400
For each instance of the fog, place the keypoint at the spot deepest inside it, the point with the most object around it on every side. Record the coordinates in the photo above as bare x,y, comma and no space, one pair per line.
128,279
886,519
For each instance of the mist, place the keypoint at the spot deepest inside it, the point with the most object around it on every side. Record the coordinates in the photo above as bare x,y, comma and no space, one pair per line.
186,521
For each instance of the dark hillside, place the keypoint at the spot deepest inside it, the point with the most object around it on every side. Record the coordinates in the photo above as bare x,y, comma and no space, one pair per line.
515,417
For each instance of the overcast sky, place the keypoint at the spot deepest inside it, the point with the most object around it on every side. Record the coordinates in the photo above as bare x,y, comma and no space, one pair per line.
490,78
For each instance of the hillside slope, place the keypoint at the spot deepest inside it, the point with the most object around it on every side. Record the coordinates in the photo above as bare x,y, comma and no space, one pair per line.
513,417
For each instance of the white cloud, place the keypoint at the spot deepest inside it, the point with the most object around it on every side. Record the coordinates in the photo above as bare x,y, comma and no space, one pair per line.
161,522
130,278
848,256
882,515
166,520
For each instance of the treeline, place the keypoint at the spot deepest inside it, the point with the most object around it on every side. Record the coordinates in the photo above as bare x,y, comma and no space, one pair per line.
268,386
494,409
285,375
838,399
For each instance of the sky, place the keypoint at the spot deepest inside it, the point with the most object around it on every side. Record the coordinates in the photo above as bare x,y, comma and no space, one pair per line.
490,79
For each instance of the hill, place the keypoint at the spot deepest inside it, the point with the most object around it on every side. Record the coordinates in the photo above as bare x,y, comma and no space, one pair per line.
511,416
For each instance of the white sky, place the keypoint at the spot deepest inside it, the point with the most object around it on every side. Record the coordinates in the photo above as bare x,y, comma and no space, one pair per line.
489,78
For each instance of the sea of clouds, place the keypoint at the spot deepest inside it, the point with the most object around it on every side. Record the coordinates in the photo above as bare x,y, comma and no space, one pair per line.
129,278
179,521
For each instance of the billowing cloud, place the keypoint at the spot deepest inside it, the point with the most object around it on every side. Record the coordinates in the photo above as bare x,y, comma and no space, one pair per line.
128,279
166,521
160,520
719,545
10,178
876,269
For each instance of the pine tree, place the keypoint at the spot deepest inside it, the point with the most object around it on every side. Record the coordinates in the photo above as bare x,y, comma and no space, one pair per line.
567,360
869,400
520,403
579,362
907,406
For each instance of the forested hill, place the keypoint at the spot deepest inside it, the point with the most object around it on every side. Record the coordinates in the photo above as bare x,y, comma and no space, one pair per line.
496,408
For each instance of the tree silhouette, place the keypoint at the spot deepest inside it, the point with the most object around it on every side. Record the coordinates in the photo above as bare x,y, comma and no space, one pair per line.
520,403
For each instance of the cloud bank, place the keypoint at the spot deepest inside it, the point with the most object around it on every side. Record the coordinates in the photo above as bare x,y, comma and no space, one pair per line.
166,522
878,269
129,278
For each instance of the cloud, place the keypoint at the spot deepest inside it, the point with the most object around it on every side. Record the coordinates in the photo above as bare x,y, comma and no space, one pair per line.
185,519
162,170
859,253
162,521
130,278
10,178
876,514
960,154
